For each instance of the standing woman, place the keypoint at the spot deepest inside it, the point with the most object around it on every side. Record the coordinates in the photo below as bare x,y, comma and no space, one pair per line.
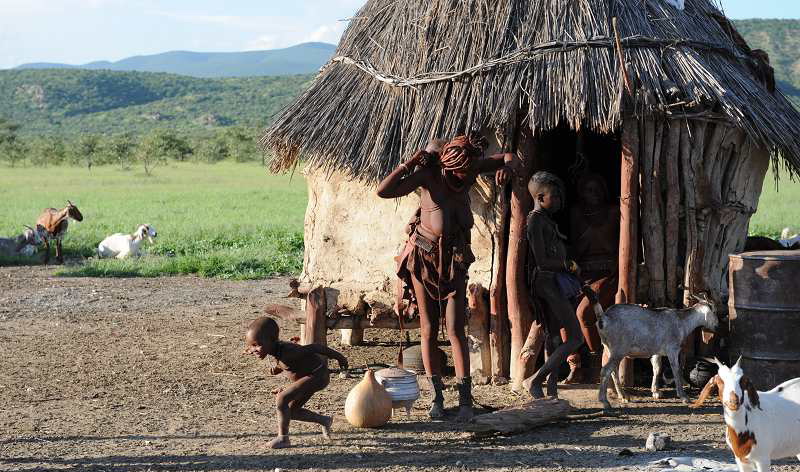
436,258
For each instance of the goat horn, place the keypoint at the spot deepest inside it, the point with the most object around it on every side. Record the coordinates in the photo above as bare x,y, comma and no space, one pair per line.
738,362
28,227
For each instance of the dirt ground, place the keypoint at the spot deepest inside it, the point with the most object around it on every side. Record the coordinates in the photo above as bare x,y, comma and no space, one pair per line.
147,374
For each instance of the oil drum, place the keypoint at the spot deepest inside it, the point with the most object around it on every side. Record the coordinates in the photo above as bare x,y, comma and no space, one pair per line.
764,306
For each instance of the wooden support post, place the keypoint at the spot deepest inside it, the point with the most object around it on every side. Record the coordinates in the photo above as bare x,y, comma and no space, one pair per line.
480,353
498,313
519,309
652,219
316,329
352,337
629,225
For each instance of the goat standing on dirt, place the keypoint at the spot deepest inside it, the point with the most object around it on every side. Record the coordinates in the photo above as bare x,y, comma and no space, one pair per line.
634,331
123,245
761,426
25,244
56,223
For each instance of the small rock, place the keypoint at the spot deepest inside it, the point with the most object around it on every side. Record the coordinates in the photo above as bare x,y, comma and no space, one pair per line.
657,442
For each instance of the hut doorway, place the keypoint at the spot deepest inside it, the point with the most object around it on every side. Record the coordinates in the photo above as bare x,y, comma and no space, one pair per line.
570,155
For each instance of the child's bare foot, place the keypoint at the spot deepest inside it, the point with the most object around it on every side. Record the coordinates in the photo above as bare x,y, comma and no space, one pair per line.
326,428
279,442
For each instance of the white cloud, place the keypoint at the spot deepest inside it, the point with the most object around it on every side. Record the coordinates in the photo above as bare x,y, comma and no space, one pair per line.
329,33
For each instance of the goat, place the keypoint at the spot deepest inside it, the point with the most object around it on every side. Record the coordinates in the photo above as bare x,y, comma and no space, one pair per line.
123,245
634,331
56,223
24,244
760,426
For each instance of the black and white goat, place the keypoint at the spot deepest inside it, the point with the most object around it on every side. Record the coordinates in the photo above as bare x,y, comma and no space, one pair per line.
760,426
635,331
24,244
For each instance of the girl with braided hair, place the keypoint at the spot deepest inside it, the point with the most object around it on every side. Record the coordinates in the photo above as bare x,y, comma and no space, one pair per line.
436,258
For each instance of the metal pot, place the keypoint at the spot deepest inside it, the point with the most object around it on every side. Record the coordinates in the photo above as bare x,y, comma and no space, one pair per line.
402,386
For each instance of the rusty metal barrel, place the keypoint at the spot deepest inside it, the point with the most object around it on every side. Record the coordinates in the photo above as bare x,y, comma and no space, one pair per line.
764,303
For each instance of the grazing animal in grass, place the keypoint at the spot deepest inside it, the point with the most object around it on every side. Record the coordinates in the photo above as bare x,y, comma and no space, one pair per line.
56,223
121,245
760,426
24,244
635,331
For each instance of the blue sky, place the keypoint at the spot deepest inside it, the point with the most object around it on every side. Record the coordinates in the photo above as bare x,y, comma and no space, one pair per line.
80,31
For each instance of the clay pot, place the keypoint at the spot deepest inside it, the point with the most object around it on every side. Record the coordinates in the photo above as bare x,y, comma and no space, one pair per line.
368,404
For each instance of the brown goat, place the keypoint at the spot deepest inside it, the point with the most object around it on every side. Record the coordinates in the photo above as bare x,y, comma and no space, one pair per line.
56,223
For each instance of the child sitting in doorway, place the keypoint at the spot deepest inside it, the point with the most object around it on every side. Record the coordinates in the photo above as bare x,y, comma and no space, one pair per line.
553,279
304,367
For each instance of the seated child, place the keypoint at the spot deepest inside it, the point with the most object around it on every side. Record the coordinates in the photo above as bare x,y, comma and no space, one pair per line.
304,367
553,280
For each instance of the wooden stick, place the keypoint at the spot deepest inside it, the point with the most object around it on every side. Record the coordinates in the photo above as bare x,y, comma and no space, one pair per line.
499,335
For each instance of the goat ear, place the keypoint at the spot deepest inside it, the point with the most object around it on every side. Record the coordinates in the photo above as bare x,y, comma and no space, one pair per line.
752,393
714,382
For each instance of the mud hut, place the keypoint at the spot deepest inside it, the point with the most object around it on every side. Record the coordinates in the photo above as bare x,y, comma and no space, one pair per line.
678,113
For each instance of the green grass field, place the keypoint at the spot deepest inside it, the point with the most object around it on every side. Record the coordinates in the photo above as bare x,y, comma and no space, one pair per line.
224,220
778,207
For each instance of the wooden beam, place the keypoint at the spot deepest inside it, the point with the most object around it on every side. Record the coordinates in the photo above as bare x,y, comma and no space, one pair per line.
629,226
520,315
672,157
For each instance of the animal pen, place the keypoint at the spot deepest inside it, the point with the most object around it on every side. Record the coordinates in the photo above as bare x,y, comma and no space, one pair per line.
669,104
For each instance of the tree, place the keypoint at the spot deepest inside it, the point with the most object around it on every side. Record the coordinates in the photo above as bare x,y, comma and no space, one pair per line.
86,150
120,149
48,150
212,150
241,144
160,145
11,148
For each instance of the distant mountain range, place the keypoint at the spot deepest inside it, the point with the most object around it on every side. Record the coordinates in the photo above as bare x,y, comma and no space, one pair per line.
73,100
303,58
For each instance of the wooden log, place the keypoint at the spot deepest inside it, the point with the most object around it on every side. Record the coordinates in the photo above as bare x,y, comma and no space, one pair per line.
499,335
519,309
671,157
480,353
520,419
629,212
316,329
691,153
629,226
652,221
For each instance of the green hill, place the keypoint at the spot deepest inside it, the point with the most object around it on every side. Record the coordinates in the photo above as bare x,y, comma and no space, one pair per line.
69,101
781,39
304,58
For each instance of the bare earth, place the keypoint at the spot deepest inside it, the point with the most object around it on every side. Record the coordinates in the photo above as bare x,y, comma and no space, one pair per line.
147,374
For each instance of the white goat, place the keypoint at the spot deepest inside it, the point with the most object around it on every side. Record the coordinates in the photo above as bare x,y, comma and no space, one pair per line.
25,244
635,331
123,245
761,426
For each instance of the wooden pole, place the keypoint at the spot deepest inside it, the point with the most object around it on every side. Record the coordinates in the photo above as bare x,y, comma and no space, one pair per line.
498,312
629,225
480,354
519,309
316,329
652,221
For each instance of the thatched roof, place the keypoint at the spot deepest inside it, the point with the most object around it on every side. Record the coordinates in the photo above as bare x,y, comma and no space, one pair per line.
409,70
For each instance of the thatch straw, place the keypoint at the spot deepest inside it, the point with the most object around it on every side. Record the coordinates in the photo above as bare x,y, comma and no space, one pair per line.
410,70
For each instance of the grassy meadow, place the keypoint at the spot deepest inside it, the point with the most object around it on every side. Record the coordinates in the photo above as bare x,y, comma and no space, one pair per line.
223,220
